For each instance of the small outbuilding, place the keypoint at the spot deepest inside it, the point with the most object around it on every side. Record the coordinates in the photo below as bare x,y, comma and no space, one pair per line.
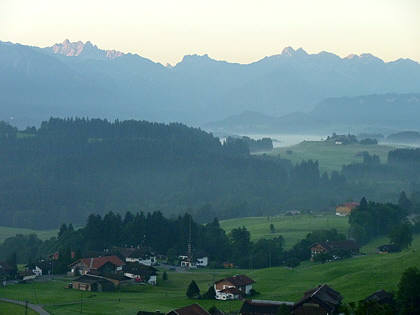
92,283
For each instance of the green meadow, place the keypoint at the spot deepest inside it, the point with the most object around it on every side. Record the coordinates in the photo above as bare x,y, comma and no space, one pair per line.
9,308
355,278
292,228
330,156
6,232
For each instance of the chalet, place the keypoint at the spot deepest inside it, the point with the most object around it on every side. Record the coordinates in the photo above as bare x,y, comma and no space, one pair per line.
321,300
241,283
334,247
193,309
345,209
140,272
388,248
381,297
92,283
106,264
263,307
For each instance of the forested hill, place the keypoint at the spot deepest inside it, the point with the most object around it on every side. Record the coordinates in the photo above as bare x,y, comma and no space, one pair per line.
68,169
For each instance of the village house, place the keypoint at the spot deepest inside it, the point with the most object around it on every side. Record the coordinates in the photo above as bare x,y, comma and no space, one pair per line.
105,264
92,283
142,256
193,309
239,285
388,248
345,209
381,297
334,247
321,300
140,272
202,261
263,307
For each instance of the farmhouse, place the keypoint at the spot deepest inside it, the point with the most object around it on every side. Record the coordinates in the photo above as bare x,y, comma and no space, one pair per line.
346,208
193,309
140,272
388,248
321,300
263,307
92,283
241,283
335,247
381,297
106,264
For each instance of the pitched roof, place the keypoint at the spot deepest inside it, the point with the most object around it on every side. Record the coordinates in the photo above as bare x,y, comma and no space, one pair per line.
193,309
381,296
335,245
98,262
262,306
238,280
323,295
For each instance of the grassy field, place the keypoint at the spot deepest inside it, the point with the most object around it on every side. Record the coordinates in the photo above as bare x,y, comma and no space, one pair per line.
354,278
330,156
292,228
9,308
6,232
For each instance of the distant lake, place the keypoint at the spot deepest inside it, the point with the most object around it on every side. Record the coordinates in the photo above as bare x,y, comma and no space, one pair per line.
286,140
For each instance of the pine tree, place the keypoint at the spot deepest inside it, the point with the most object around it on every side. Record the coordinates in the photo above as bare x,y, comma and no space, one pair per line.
193,290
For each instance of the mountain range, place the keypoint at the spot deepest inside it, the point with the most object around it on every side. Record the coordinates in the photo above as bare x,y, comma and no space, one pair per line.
383,113
80,79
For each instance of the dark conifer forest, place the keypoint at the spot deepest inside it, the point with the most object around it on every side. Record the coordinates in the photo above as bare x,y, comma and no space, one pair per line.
67,169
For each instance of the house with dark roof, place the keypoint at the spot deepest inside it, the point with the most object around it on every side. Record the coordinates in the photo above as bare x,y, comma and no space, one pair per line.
381,297
143,256
92,283
321,300
140,272
264,307
105,264
193,309
389,248
241,284
335,248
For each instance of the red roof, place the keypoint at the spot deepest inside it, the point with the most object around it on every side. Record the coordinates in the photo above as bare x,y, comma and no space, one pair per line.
98,262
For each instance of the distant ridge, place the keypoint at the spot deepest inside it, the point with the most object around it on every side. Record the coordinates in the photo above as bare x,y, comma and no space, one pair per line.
80,79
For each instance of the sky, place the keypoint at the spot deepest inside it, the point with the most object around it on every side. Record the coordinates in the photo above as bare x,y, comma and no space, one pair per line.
237,31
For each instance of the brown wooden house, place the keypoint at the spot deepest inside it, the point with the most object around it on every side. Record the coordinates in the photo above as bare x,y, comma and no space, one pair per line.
321,300
241,283
193,309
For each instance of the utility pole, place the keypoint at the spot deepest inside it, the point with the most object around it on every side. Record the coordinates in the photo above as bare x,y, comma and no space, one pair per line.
81,302
26,307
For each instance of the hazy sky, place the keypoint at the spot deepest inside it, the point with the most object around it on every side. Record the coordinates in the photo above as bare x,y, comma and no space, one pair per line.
240,31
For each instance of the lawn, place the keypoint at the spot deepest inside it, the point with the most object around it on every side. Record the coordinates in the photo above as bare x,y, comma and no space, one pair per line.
292,228
6,232
354,278
330,156
9,308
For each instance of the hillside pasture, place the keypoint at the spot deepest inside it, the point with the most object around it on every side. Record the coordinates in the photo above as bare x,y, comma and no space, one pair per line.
329,155
6,232
292,228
